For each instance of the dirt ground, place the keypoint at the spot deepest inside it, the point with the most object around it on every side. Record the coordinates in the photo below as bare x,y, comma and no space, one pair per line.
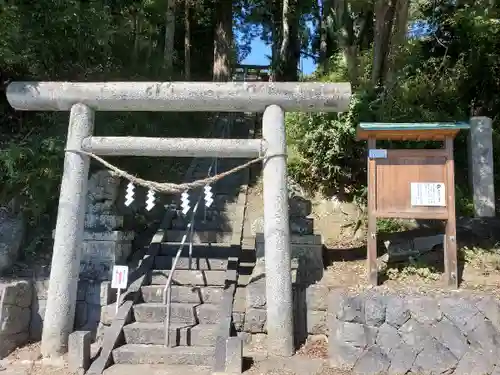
27,361
345,257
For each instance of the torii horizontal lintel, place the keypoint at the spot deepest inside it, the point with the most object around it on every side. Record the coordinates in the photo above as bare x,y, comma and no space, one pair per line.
180,96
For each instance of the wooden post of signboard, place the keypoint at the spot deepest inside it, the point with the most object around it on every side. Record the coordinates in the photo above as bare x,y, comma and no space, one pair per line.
411,183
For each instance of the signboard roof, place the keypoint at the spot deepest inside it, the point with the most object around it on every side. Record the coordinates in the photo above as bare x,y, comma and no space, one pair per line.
410,131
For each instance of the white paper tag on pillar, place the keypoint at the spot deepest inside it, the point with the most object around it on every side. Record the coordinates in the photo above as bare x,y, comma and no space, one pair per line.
430,194
120,277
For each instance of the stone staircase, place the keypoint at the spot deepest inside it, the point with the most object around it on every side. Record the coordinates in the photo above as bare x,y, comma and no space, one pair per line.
203,286
195,310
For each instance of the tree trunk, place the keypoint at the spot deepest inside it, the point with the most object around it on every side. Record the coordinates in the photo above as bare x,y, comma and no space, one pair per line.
401,26
149,53
276,15
325,25
347,41
384,17
289,53
398,37
223,41
136,32
350,53
292,70
187,40
285,42
366,32
168,51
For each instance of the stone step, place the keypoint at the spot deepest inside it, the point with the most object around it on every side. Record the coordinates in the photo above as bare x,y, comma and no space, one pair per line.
212,252
185,294
189,277
187,313
203,251
166,262
223,225
200,237
159,354
180,334
127,369
210,220
212,213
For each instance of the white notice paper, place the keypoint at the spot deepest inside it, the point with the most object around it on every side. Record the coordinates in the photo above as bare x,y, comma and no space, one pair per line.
120,277
428,194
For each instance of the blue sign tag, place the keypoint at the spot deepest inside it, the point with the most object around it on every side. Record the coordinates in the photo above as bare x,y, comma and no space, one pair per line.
377,153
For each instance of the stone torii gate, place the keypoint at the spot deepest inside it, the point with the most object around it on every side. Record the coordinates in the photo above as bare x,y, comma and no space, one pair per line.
83,99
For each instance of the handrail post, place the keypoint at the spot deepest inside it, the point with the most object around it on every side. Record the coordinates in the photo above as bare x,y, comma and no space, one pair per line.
191,241
167,290
167,317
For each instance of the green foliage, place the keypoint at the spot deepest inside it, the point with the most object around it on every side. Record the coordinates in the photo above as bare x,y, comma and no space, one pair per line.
391,225
30,171
329,157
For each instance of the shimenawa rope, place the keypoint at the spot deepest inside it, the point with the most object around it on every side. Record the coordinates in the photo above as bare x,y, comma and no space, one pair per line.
168,187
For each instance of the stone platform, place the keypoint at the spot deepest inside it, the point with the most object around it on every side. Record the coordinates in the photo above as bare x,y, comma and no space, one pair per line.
377,333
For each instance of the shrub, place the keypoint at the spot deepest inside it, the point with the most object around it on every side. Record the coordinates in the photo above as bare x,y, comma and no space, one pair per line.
325,154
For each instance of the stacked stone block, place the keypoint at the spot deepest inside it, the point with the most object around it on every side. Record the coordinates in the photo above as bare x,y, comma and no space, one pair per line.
306,251
373,333
307,269
317,305
299,211
15,314
105,242
255,319
38,306
93,297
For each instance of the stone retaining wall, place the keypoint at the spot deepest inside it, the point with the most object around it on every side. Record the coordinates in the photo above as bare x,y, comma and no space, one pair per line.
374,333
23,303
105,243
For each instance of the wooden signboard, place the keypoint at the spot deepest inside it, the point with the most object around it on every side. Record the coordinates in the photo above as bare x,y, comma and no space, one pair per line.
411,183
